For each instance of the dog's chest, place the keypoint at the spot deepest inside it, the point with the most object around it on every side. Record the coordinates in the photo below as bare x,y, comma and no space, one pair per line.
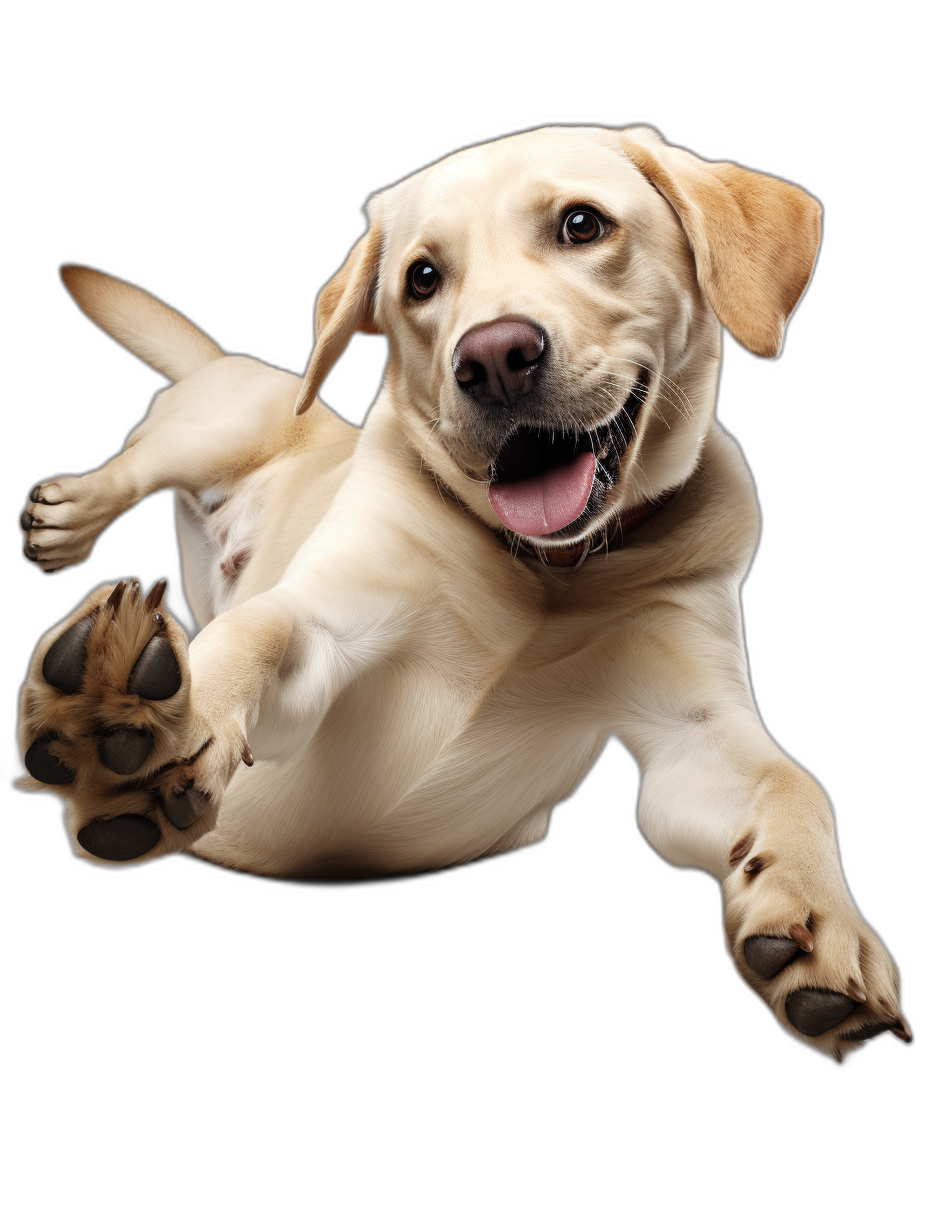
455,742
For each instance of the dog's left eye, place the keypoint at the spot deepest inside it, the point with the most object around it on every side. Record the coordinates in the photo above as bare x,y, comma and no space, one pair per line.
580,225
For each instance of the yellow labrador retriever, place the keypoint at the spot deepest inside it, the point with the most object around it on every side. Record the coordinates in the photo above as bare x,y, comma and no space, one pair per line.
426,630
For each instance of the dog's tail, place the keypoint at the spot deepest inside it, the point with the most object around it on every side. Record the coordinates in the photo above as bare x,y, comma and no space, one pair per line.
149,329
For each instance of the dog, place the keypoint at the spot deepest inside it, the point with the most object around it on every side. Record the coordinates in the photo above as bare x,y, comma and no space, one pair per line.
416,638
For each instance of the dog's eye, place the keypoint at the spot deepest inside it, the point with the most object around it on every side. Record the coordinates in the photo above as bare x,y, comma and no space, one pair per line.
422,278
581,225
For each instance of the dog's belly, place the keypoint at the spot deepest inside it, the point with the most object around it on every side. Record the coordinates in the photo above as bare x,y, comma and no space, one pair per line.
237,538
384,789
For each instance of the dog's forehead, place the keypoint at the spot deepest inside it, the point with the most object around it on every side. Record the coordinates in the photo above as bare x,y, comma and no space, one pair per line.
512,171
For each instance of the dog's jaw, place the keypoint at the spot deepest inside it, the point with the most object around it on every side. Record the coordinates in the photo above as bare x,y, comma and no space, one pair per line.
549,485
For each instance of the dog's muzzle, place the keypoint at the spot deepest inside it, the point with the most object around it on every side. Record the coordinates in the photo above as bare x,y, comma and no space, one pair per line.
495,364
546,481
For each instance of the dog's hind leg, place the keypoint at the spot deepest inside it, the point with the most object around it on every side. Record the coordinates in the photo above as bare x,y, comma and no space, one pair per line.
219,423
226,415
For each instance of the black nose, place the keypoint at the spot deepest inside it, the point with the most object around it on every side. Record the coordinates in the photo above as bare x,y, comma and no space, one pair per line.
496,362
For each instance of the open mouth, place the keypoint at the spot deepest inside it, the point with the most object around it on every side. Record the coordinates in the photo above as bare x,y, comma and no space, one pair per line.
545,481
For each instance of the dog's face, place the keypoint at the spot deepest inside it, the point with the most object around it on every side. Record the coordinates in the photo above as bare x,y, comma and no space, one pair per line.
547,301
534,290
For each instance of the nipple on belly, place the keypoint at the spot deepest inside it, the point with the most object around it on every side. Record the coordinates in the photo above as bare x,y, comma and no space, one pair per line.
232,565
211,498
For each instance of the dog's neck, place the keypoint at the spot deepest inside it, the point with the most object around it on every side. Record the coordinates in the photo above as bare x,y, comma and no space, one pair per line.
610,539
393,434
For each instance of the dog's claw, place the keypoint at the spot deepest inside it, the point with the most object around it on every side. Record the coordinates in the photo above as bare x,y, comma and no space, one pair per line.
116,595
156,594
815,1010
803,938
63,665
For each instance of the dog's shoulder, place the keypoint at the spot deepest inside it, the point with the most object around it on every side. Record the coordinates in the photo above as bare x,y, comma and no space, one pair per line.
705,533
713,522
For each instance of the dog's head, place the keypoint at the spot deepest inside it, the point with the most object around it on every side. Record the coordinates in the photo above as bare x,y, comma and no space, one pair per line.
552,302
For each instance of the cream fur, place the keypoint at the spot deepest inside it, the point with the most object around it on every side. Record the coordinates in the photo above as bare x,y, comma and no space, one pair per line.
415,694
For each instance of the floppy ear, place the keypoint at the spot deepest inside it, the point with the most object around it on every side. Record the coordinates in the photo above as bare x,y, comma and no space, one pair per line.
345,304
754,238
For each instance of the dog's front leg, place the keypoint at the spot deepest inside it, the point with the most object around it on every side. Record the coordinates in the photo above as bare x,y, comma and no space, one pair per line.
142,734
718,793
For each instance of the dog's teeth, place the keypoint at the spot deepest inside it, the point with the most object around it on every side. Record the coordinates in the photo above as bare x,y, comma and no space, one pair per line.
603,475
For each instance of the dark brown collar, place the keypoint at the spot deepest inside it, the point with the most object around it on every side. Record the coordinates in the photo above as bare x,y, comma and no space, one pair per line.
610,539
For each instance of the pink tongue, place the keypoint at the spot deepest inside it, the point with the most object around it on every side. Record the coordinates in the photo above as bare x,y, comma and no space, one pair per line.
545,503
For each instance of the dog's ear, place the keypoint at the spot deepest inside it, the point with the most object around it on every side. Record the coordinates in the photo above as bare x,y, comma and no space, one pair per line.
345,305
754,238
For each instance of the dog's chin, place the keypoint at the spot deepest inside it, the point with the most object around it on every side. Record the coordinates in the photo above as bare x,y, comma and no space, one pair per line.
555,487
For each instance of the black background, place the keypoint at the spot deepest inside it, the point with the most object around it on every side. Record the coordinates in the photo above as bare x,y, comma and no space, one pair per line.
586,957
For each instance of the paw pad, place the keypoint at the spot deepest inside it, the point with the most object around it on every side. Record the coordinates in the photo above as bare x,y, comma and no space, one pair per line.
124,749
156,675
45,766
119,838
106,722
867,1031
183,808
814,1010
65,660
769,955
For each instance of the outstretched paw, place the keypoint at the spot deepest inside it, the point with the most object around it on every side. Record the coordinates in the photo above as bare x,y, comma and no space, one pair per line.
65,516
107,723
800,943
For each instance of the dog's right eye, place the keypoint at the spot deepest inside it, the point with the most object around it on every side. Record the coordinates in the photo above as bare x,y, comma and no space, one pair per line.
421,279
